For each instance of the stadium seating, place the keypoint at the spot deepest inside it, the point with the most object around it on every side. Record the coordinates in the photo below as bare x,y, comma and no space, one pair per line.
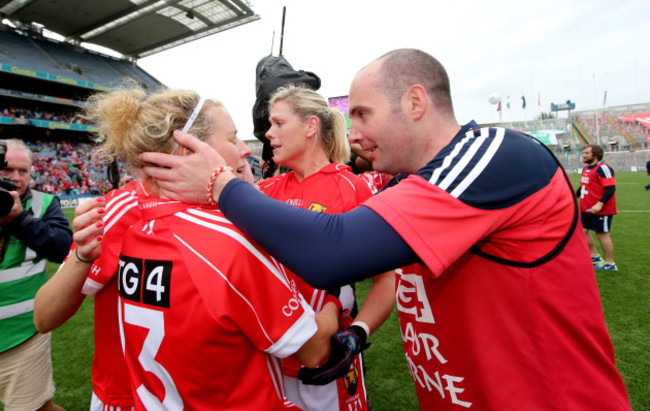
626,143
66,168
19,51
62,59
44,83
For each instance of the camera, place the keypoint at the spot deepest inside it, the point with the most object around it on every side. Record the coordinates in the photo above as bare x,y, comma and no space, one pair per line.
6,185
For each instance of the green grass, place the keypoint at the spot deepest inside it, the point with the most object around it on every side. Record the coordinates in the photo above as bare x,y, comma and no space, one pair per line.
73,345
624,296
388,381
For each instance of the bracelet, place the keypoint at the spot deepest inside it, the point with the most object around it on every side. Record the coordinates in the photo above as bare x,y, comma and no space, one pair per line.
76,254
363,325
213,178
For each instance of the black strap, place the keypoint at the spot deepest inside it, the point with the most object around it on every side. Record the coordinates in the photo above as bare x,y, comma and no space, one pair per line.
558,248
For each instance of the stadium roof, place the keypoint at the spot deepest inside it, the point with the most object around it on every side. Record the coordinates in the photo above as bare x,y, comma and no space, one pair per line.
134,28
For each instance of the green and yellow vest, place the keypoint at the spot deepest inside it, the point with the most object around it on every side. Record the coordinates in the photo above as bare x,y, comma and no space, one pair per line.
22,273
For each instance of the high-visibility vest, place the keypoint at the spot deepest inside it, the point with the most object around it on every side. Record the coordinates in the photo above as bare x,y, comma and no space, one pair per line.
22,273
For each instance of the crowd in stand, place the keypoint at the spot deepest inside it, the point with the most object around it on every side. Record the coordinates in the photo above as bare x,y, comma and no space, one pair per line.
37,114
64,167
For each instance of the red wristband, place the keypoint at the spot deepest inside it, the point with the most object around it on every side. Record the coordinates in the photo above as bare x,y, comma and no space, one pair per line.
213,178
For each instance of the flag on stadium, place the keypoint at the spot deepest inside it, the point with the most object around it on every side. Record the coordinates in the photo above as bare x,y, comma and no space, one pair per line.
539,101
499,106
508,103
523,102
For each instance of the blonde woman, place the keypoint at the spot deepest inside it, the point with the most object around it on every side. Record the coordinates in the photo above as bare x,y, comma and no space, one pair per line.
203,323
309,137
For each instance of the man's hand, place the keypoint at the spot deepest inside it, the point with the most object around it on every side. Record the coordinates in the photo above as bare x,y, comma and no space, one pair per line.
184,177
346,345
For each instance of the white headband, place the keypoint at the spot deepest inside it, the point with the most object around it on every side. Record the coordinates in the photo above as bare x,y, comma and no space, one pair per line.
195,113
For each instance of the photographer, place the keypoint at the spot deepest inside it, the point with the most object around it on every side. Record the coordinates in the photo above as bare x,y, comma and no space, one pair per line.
33,229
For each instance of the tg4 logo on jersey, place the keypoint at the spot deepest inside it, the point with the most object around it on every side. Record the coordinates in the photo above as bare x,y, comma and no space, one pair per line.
145,281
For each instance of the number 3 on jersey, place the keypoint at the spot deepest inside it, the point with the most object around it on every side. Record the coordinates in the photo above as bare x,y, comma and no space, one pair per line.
155,275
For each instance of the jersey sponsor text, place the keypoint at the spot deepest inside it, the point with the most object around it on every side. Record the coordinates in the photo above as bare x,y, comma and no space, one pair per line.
145,281
413,302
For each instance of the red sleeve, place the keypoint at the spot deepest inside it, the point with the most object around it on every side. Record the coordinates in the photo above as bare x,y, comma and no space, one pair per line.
275,318
437,226
121,212
606,175
440,228
257,298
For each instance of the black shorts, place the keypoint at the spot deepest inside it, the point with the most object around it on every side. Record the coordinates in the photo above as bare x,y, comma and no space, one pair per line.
596,222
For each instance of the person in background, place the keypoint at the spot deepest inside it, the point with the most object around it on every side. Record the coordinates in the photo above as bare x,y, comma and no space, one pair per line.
308,137
33,231
499,306
597,193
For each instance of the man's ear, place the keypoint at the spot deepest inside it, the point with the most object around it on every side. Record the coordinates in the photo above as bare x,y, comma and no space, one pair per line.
415,102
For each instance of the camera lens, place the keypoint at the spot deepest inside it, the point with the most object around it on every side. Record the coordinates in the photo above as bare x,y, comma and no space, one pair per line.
6,202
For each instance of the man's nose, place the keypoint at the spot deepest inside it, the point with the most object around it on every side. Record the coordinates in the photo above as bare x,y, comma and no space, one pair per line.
354,136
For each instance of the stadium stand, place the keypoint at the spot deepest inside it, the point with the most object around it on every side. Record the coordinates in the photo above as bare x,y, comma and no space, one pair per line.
623,131
63,168
44,81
